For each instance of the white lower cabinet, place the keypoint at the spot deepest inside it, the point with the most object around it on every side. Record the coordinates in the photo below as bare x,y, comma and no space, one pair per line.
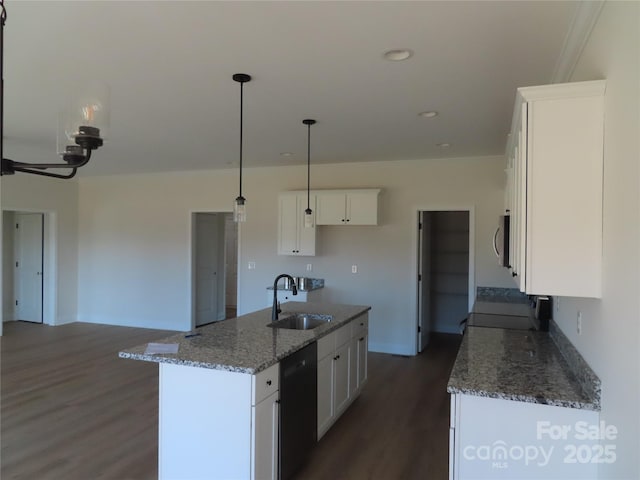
495,439
342,367
215,424
265,417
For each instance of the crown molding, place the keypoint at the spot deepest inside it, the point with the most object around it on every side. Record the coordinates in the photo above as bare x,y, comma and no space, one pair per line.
585,18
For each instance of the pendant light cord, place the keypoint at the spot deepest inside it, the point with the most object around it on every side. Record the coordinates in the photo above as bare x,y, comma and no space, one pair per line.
3,18
241,124
308,164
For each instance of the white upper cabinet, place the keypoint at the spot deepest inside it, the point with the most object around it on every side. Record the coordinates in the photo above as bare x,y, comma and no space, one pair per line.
347,207
555,151
293,237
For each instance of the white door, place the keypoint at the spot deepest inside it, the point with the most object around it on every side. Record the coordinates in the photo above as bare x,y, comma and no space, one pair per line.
28,278
206,265
424,279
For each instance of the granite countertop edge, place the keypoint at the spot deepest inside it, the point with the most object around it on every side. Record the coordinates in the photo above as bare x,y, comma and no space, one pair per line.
479,366
525,398
297,339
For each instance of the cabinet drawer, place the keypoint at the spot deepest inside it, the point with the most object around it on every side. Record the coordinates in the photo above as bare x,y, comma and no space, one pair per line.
265,383
326,345
360,326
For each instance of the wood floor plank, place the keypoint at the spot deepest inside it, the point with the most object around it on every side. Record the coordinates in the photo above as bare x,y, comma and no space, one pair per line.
72,410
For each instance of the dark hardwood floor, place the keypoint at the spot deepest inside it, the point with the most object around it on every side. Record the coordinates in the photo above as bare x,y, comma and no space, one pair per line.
72,410
399,426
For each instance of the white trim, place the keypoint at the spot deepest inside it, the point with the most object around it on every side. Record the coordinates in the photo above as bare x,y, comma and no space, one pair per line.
191,281
414,263
49,264
584,20
391,348
593,88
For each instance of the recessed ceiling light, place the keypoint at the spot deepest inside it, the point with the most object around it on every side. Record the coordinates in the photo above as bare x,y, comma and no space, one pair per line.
443,145
429,114
286,154
397,55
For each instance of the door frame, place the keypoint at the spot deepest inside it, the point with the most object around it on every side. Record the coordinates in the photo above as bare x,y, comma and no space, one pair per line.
192,262
415,292
49,263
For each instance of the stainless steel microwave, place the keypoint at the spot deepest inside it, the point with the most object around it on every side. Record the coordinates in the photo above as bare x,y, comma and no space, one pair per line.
501,241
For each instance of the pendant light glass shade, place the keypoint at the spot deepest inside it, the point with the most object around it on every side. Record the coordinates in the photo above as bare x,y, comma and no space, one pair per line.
239,210
308,213
308,218
239,206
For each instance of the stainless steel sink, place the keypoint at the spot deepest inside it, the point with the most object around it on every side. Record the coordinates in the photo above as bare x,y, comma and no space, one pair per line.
301,321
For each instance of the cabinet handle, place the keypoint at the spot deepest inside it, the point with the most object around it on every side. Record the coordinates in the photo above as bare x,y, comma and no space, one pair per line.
514,274
343,219
269,382
362,339
348,220
362,324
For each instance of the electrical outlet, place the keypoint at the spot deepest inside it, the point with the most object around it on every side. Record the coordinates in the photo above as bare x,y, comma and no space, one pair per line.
309,267
252,265
354,268
579,323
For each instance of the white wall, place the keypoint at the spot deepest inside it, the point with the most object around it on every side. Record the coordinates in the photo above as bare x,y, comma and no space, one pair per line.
610,340
134,251
58,199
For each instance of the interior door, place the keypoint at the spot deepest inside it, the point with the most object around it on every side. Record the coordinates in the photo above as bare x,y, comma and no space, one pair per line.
28,278
206,265
231,261
424,279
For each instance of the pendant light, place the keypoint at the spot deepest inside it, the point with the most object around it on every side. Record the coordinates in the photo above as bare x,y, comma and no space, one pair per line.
84,134
239,207
308,213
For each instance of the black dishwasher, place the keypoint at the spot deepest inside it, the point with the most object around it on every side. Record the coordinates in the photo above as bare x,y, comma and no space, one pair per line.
298,408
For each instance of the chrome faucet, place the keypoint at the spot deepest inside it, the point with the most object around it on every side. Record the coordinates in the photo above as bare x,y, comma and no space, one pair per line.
276,304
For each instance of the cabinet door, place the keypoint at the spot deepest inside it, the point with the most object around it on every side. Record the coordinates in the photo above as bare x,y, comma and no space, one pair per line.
306,235
265,438
362,354
362,208
325,394
293,237
330,209
287,225
341,377
353,368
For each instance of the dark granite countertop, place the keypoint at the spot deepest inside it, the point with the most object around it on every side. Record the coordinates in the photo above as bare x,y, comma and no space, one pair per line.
246,344
517,365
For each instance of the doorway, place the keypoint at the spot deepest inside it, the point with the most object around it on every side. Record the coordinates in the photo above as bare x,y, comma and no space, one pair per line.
214,267
23,268
445,271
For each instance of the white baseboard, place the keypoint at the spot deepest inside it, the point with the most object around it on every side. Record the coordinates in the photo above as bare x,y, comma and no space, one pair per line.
394,349
133,322
64,320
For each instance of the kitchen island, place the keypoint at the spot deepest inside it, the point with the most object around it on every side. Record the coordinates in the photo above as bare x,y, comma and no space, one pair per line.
219,394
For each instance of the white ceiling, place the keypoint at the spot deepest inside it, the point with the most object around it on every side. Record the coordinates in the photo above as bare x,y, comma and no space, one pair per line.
174,105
